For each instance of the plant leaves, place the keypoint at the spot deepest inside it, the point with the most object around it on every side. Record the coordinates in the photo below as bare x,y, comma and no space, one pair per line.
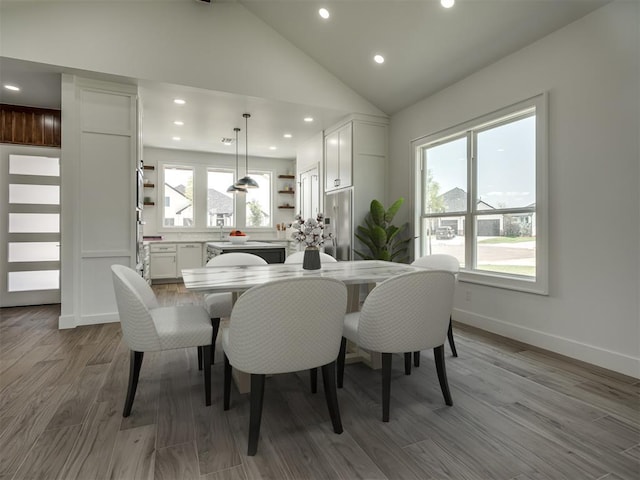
393,209
379,237
377,212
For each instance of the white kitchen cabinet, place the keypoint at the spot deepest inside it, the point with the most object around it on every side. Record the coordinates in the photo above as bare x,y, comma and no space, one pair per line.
189,256
164,258
338,157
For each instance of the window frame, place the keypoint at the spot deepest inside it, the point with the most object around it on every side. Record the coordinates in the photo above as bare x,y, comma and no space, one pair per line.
538,106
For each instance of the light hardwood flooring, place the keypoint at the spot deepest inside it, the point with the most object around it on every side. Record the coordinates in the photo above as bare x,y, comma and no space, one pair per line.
519,413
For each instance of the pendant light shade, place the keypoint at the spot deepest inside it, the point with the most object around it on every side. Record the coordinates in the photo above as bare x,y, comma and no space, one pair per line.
234,188
246,181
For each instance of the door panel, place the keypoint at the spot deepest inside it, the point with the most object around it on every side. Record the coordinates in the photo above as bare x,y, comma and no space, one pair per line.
29,226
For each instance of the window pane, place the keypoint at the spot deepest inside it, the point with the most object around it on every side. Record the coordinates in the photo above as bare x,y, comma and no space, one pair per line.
444,235
219,202
34,251
34,223
178,189
497,252
446,182
30,165
259,201
30,281
34,194
507,165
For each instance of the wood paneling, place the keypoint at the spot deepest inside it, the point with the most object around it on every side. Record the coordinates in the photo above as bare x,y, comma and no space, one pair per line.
30,126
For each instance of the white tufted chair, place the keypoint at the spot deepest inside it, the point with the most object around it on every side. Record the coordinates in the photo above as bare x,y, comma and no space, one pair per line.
285,326
406,313
219,305
148,327
448,263
298,257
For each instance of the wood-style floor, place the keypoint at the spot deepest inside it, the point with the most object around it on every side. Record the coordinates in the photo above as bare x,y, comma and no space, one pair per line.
518,413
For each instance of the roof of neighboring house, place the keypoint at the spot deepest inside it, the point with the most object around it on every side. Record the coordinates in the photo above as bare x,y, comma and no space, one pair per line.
218,202
455,200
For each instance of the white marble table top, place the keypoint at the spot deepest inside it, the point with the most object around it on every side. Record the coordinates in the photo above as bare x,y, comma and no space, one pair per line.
236,279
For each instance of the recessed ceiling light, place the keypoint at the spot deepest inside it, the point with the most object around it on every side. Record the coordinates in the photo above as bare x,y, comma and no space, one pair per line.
178,122
177,139
273,147
179,101
12,88
308,119
324,13
287,135
378,59
447,3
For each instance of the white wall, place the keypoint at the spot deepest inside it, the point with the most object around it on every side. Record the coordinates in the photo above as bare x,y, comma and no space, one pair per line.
591,71
217,47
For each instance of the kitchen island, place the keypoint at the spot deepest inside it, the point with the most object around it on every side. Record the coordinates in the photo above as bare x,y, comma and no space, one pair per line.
271,252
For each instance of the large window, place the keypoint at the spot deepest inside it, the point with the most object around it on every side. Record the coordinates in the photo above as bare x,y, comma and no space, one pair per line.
259,201
195,197
482,197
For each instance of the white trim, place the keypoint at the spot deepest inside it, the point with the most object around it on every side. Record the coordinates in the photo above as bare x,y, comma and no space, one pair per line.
594,355
73,321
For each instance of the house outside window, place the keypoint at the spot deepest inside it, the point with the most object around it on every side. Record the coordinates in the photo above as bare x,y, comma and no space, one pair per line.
258,201
220,208
178,194
482,197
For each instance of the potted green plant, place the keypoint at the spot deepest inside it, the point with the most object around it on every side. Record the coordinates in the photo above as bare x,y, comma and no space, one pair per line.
384,240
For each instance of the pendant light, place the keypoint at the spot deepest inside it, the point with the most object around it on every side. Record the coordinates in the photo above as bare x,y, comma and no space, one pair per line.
234,188
246,181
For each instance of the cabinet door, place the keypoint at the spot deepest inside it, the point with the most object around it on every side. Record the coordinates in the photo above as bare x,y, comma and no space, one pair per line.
344,156
189,256
332,161
163,265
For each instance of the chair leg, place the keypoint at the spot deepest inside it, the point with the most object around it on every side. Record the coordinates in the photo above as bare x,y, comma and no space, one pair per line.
255,414
386,385
341,359
438,354
416,359
215,323
331,394
407,363
135,362
450,336
227,382
199,358
206,361
313,379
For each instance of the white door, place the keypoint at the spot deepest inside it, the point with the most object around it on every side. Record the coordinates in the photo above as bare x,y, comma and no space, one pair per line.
29,225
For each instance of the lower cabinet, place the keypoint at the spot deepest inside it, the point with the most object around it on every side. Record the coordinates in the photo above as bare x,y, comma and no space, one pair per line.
168,259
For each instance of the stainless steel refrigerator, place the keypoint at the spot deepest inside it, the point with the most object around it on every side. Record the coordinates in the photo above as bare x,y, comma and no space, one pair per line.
339,221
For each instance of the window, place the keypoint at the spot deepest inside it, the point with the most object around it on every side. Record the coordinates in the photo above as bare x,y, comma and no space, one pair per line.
482,197
178,194
259,201
219,202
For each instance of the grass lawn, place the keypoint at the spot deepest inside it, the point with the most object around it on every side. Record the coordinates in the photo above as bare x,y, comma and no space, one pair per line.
507,240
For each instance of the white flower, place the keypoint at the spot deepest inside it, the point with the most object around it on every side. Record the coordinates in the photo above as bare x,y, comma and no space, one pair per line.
311,231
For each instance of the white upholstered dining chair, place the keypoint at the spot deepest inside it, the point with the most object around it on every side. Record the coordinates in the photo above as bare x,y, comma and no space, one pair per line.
406,313
298,257
449,263
148,327
285,326
219,305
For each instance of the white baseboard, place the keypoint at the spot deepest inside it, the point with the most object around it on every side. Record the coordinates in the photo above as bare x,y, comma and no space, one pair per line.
608,359
73,321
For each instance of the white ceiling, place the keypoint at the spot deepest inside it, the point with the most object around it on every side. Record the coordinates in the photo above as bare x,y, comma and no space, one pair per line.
426,48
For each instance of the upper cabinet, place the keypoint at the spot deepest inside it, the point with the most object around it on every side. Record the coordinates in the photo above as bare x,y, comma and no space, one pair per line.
338,157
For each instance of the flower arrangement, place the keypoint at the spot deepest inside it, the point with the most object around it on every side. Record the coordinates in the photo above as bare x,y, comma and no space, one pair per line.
310,232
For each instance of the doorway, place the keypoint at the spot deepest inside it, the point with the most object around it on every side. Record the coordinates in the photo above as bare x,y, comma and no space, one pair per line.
29,226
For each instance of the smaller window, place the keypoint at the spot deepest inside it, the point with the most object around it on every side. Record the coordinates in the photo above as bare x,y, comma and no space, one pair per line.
259,201
178,188
220,207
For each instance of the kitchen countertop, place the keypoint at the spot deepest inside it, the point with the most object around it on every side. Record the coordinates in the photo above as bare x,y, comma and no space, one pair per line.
247,244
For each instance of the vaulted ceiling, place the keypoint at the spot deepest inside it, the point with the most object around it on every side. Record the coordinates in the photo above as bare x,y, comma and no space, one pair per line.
426,48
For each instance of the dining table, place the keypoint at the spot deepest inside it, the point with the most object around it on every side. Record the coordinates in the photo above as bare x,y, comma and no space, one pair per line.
354,274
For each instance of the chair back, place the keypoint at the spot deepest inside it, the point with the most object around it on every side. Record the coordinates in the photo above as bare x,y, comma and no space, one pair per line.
439,261
298,257
287,325
407,313
236,258
135,298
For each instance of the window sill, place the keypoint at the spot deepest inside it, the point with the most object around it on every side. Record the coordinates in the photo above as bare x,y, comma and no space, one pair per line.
510,282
